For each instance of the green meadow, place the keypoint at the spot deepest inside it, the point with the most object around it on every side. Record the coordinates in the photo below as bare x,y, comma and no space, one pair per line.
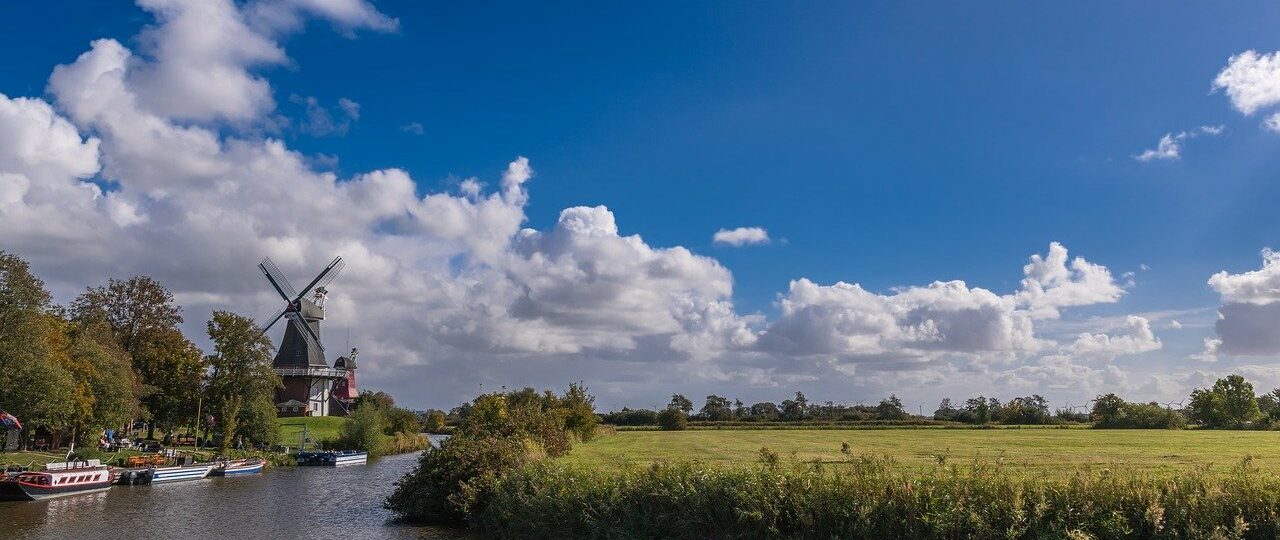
1031,451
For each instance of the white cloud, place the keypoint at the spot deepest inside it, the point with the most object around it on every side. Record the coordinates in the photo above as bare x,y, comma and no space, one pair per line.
1250,311
414,128
1170,145
1051,284
741,236
1137,338
1251,81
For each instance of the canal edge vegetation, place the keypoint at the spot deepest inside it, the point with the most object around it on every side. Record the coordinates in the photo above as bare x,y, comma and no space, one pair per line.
115,356
498,476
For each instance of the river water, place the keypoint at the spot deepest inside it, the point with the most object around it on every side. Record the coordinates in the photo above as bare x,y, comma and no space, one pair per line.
283,502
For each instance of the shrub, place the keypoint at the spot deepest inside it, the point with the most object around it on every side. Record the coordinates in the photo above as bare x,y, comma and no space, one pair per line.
457,479
671,419
362,430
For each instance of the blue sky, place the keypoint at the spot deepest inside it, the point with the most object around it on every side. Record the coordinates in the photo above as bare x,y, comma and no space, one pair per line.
883,144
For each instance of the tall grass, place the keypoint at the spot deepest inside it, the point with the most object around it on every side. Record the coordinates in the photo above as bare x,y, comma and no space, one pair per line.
872,497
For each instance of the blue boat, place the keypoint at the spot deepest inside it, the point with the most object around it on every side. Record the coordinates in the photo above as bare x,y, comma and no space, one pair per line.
239,467
332,458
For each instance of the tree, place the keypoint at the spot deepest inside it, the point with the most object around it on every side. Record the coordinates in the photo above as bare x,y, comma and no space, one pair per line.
680,403
400,420
672,419
795,409
1229,404
580,412
363,430
1108,411
34,382
434,422
242,385
890,408
717,408
765,410
144,320
379,399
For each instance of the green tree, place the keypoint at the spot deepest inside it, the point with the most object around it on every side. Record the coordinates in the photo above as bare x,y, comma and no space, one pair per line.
35,385
672,419
241,388
379,399
1229,404
401,420
363,430
580,412
144,319
890,408
717,408
795,409
680,403
434,422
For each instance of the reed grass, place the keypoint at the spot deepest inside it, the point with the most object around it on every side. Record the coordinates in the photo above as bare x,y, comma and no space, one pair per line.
874,497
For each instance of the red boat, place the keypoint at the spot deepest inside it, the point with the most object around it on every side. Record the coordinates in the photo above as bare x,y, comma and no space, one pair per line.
57,480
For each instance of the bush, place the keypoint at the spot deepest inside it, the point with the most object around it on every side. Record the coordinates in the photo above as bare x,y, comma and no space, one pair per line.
362,430
457,479
672,420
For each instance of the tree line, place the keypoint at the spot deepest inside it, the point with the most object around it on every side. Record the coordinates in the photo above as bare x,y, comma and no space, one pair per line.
1229,404
115,355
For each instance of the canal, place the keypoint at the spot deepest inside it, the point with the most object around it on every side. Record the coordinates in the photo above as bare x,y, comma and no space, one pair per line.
283,502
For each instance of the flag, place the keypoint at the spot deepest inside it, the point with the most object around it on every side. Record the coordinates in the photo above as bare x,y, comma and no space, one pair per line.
9,421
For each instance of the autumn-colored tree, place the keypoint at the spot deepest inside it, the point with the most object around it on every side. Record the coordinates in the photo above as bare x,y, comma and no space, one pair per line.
144,319
34,382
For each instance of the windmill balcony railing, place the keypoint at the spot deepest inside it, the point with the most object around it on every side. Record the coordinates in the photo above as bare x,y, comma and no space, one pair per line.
312,372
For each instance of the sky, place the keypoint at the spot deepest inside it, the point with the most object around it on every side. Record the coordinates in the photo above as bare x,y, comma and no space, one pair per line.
929,199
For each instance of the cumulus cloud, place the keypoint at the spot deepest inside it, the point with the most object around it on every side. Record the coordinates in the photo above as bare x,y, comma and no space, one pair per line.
1251,81
741,236
1250,311
1136,338
1052,283
1170,145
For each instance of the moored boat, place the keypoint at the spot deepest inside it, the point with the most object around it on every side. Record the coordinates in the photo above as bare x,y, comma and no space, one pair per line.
239,467
160,475
57,480
333,458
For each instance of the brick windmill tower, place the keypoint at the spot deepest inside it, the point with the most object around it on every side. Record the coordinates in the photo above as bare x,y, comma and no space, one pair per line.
308,379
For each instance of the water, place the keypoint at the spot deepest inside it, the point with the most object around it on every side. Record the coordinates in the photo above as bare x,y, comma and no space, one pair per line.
283,502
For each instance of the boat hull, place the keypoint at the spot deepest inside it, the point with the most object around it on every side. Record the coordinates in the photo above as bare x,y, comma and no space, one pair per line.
332,459
240,470
18,491
165,475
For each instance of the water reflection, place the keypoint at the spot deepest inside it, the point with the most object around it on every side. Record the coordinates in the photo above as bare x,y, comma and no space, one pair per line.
298,502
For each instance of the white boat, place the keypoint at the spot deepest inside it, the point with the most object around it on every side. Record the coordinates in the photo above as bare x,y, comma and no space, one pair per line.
161,475
239,467
57,480
333,458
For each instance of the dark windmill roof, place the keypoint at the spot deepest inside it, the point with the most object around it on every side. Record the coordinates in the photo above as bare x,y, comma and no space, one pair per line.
344,363
296,352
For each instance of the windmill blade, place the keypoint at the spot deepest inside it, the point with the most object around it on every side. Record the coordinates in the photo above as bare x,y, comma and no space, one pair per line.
274,318
277,279
332,274
307,334
337,261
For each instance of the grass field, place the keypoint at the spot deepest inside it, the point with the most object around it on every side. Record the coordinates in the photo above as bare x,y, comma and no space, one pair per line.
318,428
1053,452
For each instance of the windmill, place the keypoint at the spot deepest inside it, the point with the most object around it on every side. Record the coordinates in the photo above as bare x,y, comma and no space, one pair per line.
300,359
